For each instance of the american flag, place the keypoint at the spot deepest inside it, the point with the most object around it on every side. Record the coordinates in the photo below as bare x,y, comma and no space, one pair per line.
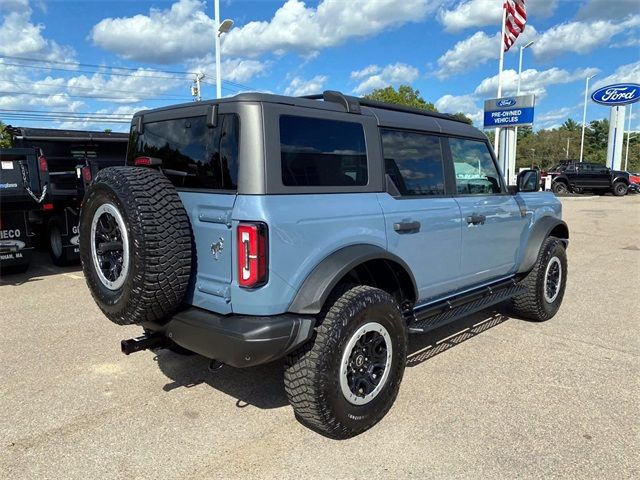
515,19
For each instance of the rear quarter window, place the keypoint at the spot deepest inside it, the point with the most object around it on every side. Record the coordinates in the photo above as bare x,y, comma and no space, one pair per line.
193,155
322,153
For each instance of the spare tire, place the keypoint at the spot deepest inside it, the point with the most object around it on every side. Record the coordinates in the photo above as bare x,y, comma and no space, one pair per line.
135,245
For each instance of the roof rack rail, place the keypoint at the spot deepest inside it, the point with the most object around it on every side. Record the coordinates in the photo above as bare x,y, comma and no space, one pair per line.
352,105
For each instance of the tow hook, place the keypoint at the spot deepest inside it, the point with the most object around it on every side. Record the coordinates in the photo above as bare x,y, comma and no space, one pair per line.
143,342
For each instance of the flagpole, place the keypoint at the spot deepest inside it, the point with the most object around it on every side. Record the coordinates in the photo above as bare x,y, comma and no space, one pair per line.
500,67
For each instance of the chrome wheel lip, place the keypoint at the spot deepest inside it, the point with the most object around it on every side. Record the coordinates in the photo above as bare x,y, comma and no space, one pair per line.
344,363
550,272
108,208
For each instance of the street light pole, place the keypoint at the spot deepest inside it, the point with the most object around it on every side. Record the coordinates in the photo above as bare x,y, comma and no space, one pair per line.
221,28
584,115
218,72
626,156
522,48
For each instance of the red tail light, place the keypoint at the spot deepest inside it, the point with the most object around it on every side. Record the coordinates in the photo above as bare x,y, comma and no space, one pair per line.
252,254
42,163
86,174
47,206
147,162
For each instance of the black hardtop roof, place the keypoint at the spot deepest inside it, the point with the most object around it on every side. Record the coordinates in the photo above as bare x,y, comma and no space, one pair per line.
27,133
387,115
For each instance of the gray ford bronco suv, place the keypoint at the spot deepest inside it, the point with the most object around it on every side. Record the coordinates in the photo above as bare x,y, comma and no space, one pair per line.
322,230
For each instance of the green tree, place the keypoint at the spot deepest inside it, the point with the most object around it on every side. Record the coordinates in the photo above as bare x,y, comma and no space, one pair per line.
5,136
405,95
571,125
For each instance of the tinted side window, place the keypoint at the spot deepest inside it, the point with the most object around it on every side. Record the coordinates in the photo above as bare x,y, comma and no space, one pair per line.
476,174
414,162
193,155
322,153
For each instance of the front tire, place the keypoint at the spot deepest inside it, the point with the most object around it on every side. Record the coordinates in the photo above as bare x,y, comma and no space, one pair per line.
620,189
545,283
346,380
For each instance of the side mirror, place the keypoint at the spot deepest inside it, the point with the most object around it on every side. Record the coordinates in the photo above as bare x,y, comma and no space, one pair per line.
528,181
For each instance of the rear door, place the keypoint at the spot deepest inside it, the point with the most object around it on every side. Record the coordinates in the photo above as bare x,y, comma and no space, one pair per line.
201,161
492,224
422,222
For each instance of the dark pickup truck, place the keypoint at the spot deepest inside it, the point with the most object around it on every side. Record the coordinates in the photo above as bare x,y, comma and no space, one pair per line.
578,177
24,184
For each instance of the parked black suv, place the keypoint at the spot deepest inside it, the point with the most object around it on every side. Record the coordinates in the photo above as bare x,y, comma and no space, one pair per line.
578,177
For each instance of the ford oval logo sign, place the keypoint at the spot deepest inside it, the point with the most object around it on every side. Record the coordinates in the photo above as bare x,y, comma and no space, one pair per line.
618,94
505,102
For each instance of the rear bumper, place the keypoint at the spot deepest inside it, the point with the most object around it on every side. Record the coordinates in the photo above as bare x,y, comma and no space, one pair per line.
239,341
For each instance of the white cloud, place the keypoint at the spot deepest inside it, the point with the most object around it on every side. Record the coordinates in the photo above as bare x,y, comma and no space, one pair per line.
366,71
481,13
233,69
306,30
167,36
20,37
299,86
468,53
553,116
185,31
466,104
394,74
623,74
580,37
607,9
476,50
533,81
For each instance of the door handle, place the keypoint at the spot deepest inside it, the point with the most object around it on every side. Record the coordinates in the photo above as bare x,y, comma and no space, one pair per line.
406,226
476,219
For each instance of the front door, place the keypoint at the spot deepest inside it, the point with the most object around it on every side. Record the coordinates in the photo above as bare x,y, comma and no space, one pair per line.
423,225
492,224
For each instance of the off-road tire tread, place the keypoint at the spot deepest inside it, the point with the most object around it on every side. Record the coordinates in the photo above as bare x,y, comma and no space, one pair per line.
305,368
529,304
159,226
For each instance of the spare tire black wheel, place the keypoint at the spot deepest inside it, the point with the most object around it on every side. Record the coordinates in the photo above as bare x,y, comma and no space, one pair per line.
135,245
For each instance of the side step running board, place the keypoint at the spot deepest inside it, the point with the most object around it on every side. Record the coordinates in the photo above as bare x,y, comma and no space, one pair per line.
432,316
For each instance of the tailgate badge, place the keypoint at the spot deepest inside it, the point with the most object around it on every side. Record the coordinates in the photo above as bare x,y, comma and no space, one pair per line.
216,248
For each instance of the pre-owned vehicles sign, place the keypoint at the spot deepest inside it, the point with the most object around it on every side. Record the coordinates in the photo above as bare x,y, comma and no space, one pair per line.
509,111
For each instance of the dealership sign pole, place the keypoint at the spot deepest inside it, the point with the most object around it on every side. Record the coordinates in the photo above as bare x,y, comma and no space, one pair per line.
506,114
616,96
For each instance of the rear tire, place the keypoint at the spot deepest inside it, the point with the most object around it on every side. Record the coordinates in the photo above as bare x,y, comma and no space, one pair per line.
545,283
346,380
135,245
620,189
60,256
559,188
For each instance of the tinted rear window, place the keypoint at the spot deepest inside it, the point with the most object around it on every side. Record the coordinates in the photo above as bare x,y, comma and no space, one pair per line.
193,155
322,153
414,162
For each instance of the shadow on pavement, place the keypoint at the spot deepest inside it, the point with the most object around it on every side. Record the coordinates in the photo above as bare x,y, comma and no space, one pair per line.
263,386
41,266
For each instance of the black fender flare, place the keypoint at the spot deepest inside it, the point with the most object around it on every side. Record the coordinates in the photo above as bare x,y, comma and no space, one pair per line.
620,178
541,230
325,276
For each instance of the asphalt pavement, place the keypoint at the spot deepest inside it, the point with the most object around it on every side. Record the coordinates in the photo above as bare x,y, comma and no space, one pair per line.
488,397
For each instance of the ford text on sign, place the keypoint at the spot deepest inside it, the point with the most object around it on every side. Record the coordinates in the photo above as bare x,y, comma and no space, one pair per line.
618,94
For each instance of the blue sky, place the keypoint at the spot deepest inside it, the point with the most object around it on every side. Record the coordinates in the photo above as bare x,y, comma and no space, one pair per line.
447,49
